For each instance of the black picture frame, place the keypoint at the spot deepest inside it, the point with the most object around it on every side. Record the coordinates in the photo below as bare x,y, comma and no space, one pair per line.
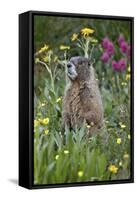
26,61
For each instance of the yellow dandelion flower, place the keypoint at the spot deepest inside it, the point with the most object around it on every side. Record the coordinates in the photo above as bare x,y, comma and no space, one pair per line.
36,123
66,152
58,100
46,59
80,173
36,60
129,136
63,47
57,157
119,140
46,47
113,169
87,31
46,132
127,77
74,37
45,121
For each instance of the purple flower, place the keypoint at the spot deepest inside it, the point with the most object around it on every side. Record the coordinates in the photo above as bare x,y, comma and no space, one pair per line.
121,39
105,57
124,47
105,42
115,65
110,48
122,64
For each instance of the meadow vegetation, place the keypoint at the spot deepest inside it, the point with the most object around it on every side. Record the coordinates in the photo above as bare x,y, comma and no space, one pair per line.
72,157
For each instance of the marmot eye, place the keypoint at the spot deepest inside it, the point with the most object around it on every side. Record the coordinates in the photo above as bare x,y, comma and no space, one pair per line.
68,65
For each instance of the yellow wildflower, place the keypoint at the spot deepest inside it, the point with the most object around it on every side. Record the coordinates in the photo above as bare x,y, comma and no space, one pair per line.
46,132
74,36
120,163
43,48
58,100
128,68
129,136
66,152
63,47
127,77
118,140
46,59
126,156
57,157
123,126
45,121
123,83
36,123
80,173
87,31
113,169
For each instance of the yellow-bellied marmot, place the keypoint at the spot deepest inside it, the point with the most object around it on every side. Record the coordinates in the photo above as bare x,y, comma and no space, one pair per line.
82,99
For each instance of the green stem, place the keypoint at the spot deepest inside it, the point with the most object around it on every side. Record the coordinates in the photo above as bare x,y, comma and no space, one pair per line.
50,73
86,47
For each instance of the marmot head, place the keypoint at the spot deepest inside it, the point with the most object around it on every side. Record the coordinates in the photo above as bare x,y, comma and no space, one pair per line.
78,68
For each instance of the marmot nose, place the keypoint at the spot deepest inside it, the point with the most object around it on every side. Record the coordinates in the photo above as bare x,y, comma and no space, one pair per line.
68,65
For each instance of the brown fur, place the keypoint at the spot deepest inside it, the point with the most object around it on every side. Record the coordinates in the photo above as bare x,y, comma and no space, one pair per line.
82,99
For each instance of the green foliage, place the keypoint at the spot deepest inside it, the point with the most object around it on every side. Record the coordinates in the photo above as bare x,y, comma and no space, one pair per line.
72,156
